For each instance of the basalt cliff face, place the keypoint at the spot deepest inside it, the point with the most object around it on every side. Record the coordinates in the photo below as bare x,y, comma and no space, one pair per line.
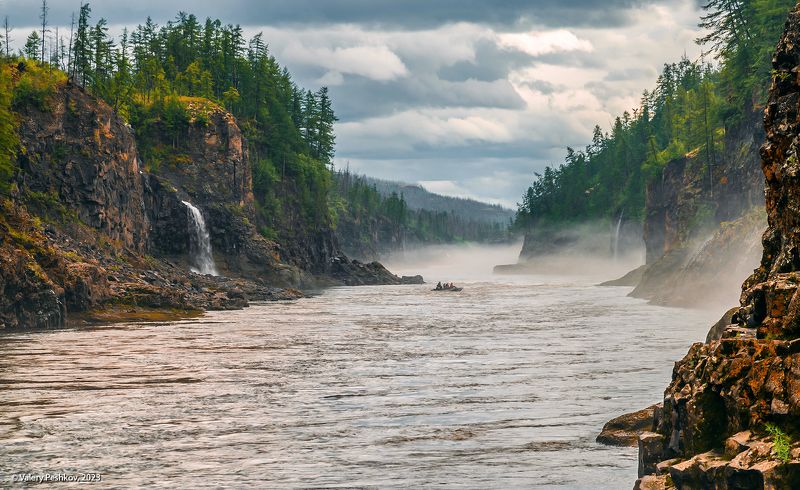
89,234
730,415
703,225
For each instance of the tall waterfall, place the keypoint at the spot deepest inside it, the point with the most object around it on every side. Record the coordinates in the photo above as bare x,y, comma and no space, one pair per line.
200,244
616,235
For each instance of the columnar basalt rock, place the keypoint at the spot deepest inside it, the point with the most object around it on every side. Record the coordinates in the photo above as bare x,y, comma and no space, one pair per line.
712,432
81,153
770,300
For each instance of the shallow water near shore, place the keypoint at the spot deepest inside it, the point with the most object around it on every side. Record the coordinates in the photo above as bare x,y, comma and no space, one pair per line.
505,384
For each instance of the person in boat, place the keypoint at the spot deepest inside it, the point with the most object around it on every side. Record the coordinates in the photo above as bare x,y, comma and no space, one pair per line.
439,286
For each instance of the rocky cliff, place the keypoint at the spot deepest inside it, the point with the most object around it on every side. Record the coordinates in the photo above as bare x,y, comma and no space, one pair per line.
692,212
93,231
209,165
78,152
730,415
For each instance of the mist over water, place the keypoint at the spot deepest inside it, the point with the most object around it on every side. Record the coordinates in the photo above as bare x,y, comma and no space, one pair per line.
453,262
505,384
475,262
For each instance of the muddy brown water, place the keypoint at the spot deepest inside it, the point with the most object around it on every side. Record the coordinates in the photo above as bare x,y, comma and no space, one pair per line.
503,385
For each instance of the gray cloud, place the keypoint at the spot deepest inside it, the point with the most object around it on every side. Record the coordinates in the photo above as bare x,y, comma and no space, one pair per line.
633,73
406,14
474,95
375,99
490,63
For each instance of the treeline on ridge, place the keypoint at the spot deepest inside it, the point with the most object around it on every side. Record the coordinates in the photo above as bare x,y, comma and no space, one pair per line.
152,73
694,104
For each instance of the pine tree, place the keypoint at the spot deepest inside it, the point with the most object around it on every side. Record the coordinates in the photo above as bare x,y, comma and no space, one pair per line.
102,61
311,122
31,48
326,139
728,25
82,48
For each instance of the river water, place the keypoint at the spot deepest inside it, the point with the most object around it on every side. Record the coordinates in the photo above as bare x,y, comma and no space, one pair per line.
503,385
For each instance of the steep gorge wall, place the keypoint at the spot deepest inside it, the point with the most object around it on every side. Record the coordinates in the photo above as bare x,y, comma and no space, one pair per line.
81,154
691,211
210,166
88,228
712,429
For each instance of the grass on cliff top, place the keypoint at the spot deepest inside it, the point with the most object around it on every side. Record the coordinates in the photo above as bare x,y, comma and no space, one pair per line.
197,110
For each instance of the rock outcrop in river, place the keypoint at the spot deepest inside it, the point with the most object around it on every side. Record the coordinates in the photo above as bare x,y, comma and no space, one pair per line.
730,415
88,230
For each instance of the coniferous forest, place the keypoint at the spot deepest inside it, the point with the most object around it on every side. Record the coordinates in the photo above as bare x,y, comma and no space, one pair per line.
694,103
160,77
370,223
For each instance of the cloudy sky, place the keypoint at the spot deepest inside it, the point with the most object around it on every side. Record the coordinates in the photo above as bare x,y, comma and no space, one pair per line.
467,97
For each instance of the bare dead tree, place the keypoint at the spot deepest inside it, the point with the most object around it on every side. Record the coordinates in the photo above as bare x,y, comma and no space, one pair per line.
69,51
8,39
43,16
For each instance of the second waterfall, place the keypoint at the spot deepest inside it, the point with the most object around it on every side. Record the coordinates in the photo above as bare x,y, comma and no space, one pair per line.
200,243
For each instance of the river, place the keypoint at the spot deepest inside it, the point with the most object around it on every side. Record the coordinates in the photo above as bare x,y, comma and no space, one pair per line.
503,385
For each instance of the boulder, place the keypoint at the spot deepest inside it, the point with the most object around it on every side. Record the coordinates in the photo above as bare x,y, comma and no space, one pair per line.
625,429
632,278
716,331
651,451
652,482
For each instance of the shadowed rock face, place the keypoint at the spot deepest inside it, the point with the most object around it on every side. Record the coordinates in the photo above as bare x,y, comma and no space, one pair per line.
723,393
215,175
692,213
770,300
712,273
84,153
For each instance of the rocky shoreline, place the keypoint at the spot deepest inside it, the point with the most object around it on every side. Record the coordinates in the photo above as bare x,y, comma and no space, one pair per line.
90,232
729,418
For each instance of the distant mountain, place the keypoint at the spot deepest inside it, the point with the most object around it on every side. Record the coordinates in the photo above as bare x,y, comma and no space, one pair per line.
417,197
377,217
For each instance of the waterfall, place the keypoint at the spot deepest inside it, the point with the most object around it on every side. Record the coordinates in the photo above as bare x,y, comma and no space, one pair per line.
616,235
200,244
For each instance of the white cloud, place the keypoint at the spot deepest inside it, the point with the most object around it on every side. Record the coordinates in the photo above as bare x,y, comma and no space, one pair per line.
407,130
436,119
539,43
330,79
475,140
376,62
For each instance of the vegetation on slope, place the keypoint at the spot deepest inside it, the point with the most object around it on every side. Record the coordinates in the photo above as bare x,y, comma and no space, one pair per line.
157,76
163,79
690,110
417,197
